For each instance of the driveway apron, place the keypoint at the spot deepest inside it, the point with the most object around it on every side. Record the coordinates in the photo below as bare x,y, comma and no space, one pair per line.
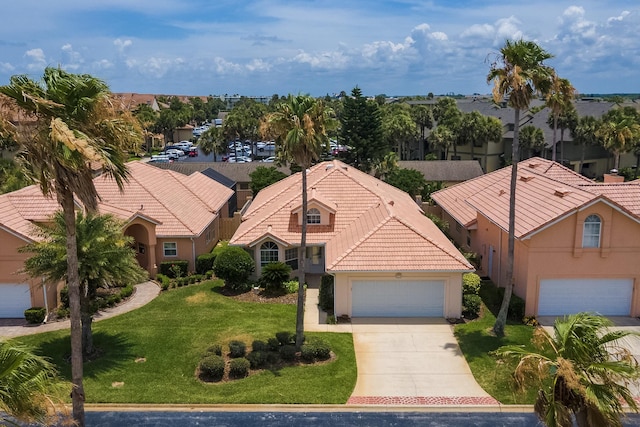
411,361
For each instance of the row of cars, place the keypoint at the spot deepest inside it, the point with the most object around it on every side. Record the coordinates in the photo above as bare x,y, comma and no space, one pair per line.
175,151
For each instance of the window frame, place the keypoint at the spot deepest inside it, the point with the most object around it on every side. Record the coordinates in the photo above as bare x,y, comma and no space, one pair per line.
266,253
291,261
591,239
165,249
314,213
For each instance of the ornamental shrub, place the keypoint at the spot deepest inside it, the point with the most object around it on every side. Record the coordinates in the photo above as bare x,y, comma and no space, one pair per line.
257,359
274,275
308,352
239,368
322,349
291,286
165,282
204,262
288,352
214,349
212,367
35,315
258,345
237,349
325,297
285,337
234,265
471,283
471,305
173,269
273,344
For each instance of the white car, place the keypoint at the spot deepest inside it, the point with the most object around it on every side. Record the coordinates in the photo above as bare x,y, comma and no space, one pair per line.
173,153
269,159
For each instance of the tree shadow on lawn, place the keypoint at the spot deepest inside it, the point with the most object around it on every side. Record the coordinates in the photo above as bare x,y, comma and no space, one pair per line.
113,351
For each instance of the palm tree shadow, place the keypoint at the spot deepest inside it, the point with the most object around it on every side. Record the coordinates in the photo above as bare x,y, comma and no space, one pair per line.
113,351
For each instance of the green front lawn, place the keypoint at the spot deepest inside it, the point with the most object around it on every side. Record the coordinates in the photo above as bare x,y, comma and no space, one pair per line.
477,340
172,332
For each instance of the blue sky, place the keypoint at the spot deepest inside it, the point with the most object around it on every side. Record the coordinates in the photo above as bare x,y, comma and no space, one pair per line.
265,47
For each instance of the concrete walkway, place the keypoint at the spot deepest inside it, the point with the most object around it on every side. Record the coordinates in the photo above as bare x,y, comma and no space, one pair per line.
143,293
412,361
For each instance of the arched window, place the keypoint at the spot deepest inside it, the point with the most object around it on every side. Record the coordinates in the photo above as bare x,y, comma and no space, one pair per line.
313,216
591,232
268,253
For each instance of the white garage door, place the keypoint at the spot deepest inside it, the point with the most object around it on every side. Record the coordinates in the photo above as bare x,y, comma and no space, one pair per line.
394,298
609,297
14,300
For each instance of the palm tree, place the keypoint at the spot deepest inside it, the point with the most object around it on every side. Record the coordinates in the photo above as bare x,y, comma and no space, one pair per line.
531,138
584,134
589,371
618,132
299,127
518,74
75,129
30,390
558,99
105,259
442,138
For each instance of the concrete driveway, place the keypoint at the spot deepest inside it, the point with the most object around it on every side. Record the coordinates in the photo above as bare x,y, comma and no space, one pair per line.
411,361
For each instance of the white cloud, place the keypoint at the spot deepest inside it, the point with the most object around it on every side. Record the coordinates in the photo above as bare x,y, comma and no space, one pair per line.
121,45
37,58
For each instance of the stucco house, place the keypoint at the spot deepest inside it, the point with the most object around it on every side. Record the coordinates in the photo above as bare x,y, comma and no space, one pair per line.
577,241
387,257
170,216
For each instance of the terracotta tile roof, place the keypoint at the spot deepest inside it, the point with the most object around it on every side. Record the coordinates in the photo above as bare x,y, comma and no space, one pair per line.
372,220
238,172
545,192
179,205
444,170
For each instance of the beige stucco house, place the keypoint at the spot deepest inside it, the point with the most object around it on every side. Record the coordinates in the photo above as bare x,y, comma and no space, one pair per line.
577,242
170,216
387,257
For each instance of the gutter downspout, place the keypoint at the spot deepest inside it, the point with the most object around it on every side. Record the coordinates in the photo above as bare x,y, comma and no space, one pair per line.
193,253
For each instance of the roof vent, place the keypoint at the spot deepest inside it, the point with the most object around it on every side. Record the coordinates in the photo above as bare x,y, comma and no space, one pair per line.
561,192
501,192
391,202
329,166
533,165
526,178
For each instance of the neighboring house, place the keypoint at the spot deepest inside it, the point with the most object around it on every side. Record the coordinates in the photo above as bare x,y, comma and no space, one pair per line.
577,241
387,257
237,172
448,172
169,215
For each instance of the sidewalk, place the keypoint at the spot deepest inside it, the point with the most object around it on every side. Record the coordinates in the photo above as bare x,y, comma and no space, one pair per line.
143,293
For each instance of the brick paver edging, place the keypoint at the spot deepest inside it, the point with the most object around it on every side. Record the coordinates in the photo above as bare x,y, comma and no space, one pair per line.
424,401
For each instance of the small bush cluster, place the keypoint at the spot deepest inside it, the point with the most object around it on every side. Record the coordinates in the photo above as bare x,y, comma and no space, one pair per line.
291,286
325,296
174,269
103,299
168,283
276,350
471,301
204,262
35,315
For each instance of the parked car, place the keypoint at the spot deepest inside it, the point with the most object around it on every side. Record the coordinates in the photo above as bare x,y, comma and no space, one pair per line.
173,153
183,145
269,159
193,152
239,159
160,158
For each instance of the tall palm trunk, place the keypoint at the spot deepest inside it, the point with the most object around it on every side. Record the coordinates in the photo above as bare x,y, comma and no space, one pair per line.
302,257
86,319
561,145
73,280
501,320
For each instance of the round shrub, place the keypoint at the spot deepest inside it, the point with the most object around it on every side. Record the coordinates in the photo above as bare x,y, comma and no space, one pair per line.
471,283
308,352
234,265
274,275
239,368
288,353
273,344
204,262
214,349
35,315
322,349
285,337
212,367
258,345
237,349
471,305
291,286
257,359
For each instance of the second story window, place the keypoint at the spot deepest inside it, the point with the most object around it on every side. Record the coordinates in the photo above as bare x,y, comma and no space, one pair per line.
591,232
313,216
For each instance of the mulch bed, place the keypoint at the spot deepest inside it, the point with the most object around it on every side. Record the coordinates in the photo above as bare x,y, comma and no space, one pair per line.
261,296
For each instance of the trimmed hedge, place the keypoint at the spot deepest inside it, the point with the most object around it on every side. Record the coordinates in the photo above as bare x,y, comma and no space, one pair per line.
239,368
237,349
471,283
213,367
204,262
35,315
471,305
325,297
167,268
234,265
165,282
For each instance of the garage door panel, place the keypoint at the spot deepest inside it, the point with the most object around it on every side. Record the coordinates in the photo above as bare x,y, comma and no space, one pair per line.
395,298
609,297
14,300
